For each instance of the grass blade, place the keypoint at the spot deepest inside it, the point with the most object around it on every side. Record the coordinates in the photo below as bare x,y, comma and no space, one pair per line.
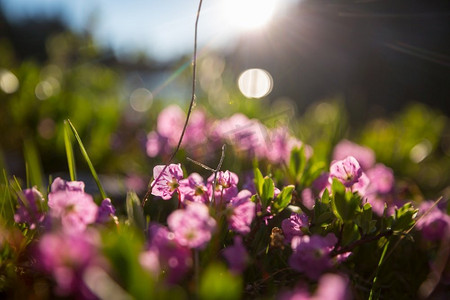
32,164
69,152
378,269
87,159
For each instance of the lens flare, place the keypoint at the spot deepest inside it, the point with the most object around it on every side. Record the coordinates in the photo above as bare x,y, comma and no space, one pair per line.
248,14
255,83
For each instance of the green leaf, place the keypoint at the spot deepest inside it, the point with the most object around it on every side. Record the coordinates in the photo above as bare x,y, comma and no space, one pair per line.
283,199
87,159
259,181
135,212
404,217
69,152
268,190
218,283
121,248
345,205
297,163
350,233
364,219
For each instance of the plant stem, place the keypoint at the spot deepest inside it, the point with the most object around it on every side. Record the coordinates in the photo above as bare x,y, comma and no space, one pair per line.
191,105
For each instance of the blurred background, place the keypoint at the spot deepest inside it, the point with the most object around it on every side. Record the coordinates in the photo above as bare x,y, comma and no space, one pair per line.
377,72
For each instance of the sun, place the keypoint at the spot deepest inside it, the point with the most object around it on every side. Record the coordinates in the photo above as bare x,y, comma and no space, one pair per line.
248,14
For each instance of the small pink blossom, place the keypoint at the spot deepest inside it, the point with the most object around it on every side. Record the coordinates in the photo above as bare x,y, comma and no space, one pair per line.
193,189
71,205
174,260
311,254
192,226
170,123
293,226
243,212
349,172
66,257
226,186
165,184
30,211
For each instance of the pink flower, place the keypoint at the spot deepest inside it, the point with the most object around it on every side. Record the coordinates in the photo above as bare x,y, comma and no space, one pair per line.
156,144
193,189
165,184
170,123
330,287
280,144
226,186
174,260
349,172
381,179
434,225
293,225
193,226
66,257
71,205
30,211
236,256
311,254
365,156
149,259
243,212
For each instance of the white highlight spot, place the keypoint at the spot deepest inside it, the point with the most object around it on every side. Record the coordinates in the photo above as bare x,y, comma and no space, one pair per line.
8,81
255,83
141,100
420,151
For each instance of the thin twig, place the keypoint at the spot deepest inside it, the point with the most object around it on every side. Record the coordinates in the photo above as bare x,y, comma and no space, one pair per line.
191,105
222,156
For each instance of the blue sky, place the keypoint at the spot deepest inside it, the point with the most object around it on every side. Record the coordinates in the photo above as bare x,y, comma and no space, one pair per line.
162,28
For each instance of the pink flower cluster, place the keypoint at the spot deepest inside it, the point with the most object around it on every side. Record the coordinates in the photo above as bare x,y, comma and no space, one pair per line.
355,167
68,246
249,137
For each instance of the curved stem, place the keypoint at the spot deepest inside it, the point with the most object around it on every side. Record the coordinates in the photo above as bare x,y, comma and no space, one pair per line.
191,105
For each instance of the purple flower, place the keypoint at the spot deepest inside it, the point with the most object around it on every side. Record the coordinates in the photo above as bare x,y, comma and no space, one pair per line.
106,211
281,143
193,189
226,186
236,256
60,184
311,254
365,156
165,184
174,260
66,257
293,226
243,212
71,205
192,226
30,203
245,135
435,224
349,172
